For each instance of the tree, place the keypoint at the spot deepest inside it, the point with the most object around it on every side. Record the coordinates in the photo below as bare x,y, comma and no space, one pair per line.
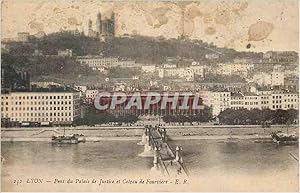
257,116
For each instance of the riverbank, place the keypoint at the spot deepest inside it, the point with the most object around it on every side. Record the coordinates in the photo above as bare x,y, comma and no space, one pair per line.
217,132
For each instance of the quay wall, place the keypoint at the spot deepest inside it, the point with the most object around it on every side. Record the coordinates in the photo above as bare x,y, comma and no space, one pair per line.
135,132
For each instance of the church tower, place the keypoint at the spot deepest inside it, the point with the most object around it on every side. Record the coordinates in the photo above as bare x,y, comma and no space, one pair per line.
90,28
112,24
99,24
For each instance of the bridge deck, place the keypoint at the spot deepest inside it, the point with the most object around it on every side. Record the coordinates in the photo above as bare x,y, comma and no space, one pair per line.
167,157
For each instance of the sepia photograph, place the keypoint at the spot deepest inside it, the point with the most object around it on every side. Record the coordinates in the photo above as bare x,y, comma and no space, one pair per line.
149,96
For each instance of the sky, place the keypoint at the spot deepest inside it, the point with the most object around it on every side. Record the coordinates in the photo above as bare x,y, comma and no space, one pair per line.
252,25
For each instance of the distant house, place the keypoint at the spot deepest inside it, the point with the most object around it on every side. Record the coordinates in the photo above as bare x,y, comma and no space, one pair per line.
23,36
65,53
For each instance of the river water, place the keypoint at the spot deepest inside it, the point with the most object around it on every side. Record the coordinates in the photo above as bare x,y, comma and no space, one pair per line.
212,165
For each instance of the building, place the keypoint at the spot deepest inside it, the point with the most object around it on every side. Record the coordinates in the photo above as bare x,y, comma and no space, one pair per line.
91,93
251,101
65,53
37,52
148,68
73,32
91,32
14,80
81,90
52,107
265,99
105,28
237,101
127,64
102,64
198,70
170,66
262,78
277,76
186,73
218,101
291,70
284,100
40,34
241,69
155,109
23,36
256,99
97,62
45,84
212,56
277,57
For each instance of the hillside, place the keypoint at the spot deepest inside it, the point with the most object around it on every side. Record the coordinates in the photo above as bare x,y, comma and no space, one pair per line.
63,70
140,48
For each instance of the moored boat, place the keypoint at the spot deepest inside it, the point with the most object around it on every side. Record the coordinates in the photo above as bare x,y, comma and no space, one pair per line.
68,139
284,138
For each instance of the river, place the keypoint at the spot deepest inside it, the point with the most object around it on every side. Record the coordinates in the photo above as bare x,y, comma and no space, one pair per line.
213,165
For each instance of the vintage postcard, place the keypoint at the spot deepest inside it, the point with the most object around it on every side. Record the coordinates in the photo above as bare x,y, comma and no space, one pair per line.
103,96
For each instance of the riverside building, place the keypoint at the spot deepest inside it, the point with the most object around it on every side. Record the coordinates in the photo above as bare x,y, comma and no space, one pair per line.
263,99
53,107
